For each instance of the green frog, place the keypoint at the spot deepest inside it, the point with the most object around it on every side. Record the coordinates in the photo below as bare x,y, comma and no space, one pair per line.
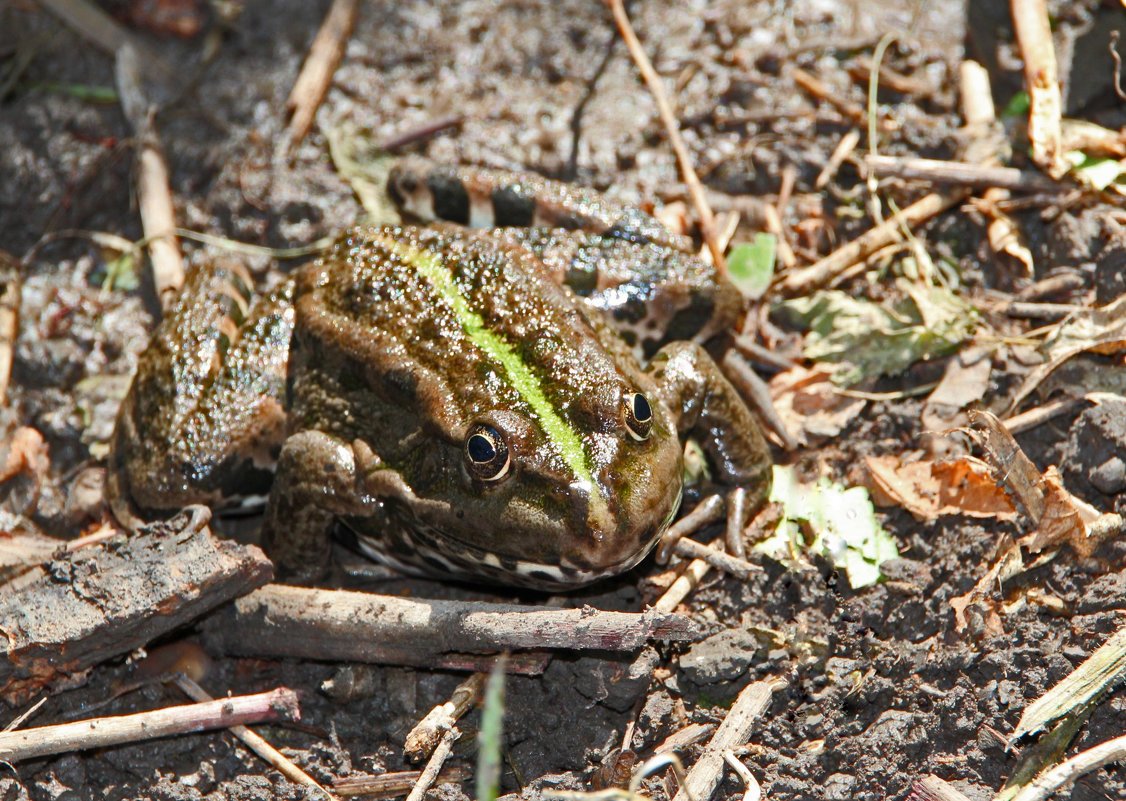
466,395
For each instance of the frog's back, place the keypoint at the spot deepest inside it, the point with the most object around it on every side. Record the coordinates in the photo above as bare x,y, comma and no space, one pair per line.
409,340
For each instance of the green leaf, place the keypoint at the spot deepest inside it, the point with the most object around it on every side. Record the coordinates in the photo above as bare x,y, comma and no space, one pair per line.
1098,173
875,340
750,265
1018,105
490,736
841,521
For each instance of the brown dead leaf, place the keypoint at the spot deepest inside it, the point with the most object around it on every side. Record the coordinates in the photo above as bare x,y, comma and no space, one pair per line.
1066,520
1012,469
964,381
979,608
810,404
1099,330
927,489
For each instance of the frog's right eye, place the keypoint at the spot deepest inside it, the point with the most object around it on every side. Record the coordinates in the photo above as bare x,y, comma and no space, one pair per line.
486,453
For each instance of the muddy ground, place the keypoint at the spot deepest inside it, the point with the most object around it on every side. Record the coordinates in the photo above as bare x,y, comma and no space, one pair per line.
879,688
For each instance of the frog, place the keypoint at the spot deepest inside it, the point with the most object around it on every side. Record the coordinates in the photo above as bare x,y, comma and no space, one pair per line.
496,390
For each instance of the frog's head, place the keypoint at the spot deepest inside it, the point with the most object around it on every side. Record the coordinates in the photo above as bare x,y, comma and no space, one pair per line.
559,500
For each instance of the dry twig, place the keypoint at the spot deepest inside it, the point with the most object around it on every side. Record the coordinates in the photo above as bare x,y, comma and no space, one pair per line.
1067,772
307,623
9,318
253,741
279,704
426,735
430,773
731,734
158,215
960,173
324,57
806,280
1041,78
691,180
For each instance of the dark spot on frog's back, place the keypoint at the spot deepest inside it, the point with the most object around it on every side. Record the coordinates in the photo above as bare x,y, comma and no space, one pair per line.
513,207
451,199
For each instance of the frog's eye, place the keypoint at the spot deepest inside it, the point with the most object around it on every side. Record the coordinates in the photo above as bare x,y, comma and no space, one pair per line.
486,453
639,416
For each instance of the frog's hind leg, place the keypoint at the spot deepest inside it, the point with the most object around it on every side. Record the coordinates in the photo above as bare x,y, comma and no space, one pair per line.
486,198
204,417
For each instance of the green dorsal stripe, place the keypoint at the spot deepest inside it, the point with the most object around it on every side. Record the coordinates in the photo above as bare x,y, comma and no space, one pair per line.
562,436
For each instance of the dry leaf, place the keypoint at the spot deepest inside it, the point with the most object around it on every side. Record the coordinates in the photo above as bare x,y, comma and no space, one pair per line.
980,601
964,381
1100,330
1013,470
928,489
1066,520
810,405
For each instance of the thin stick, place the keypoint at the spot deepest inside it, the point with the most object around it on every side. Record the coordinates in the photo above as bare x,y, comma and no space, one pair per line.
390,785
657,89
887,232
279,704
20,719
281,620
687,581
1041,78
961,173
842,151
252,740
739,568
753,791
932,788
325,55
10,281
425,131
755,390
1026,421
1066,772
704,777
158,215
434,766
426,735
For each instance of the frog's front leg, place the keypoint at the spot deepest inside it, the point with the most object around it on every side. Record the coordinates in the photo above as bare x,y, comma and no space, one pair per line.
708,407
319,478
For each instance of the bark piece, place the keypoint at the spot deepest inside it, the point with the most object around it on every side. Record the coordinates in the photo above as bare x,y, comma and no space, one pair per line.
82,608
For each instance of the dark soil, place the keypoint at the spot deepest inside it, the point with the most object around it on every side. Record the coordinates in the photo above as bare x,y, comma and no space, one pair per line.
880,690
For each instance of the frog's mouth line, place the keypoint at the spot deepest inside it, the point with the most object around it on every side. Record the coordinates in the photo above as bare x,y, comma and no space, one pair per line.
415,547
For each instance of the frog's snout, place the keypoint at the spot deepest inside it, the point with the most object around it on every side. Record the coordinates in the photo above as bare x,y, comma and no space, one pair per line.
603,541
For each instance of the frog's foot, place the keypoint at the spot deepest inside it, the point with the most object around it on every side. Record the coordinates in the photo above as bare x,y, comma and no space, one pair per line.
709,408
317,480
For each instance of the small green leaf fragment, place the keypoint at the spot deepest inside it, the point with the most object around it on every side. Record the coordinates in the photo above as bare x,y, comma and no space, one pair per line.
490,736
750,265
1018,105
926,323
842,522
1098,173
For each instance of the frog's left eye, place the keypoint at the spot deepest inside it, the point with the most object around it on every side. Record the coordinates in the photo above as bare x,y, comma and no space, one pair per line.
639,416
486,453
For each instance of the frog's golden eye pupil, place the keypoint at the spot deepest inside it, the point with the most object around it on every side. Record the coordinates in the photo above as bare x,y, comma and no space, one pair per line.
639,416
486,453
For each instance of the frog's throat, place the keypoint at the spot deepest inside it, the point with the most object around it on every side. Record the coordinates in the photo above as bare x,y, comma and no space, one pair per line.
562,436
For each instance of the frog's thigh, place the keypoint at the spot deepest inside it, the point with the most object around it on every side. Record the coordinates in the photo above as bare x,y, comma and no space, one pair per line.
709,408
317,480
